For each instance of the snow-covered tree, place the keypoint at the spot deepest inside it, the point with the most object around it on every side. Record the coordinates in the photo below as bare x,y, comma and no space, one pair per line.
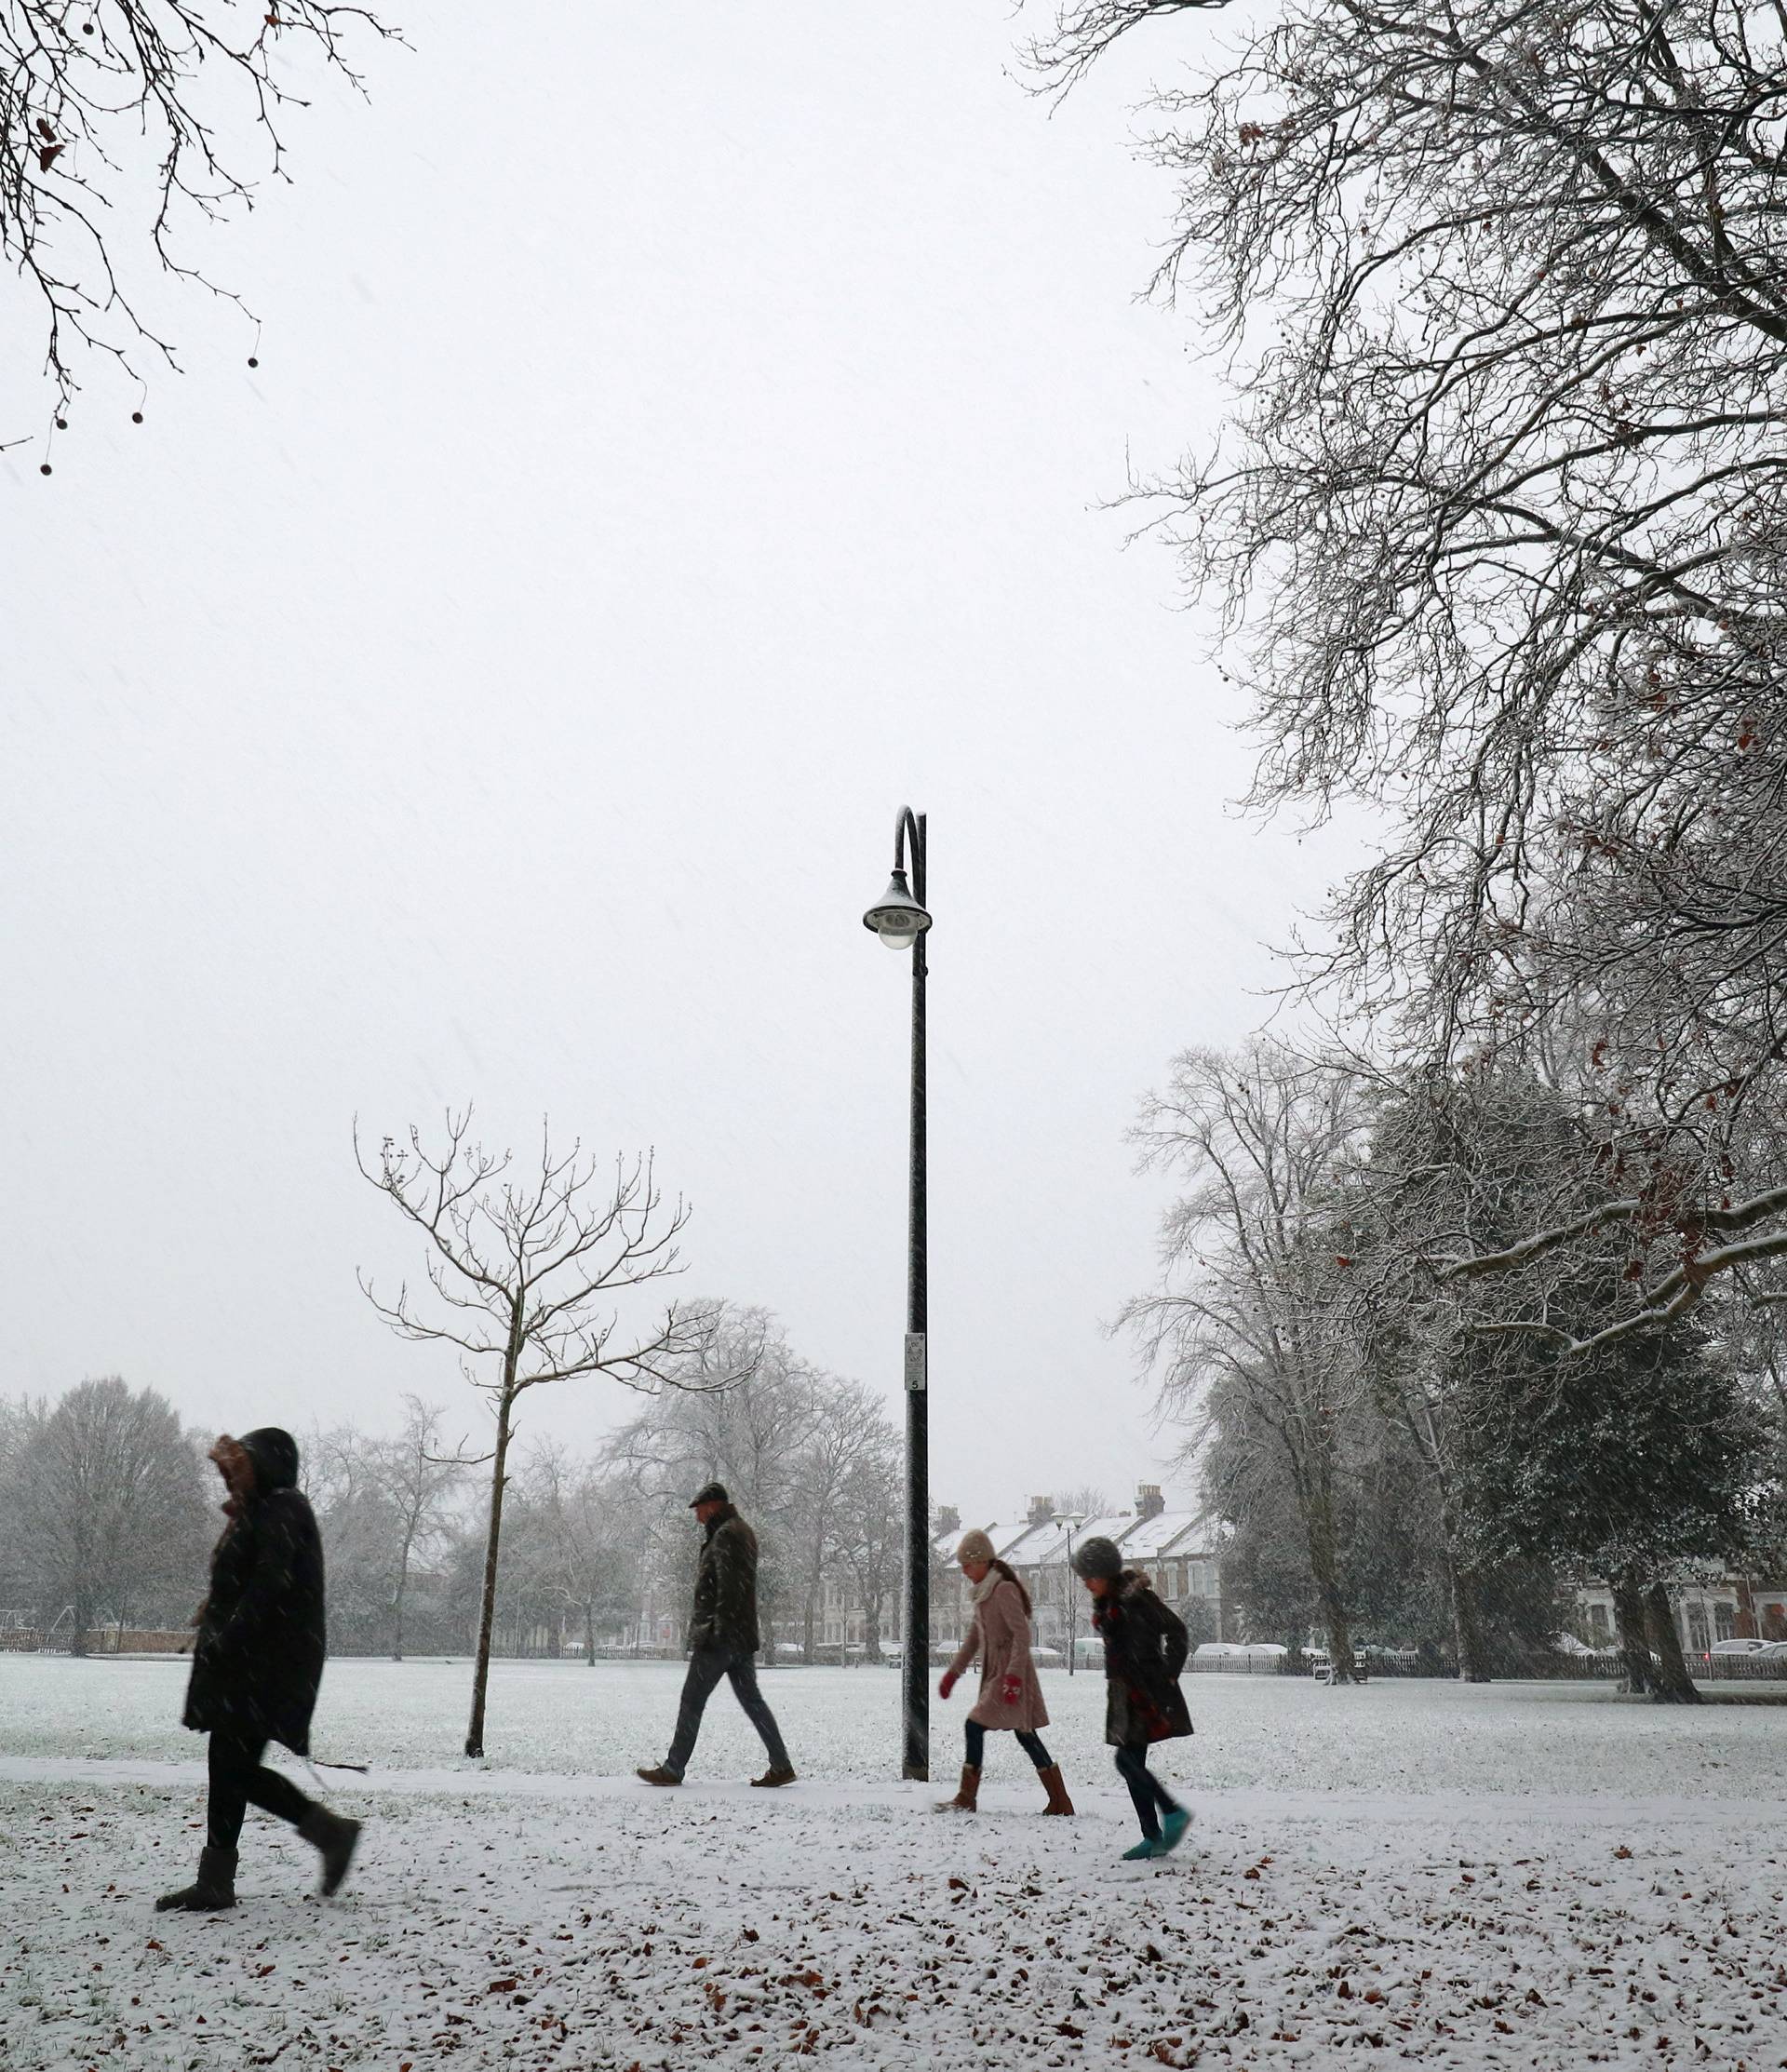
1500,523
108,1504
1255,1291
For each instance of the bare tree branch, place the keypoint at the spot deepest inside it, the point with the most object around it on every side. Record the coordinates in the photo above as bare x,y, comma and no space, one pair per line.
120,112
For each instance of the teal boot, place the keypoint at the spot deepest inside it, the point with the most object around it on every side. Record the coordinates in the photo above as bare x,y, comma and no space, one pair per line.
1173,1829
1149,1845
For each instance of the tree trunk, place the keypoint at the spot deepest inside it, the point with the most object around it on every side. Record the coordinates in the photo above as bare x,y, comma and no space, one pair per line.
82,1610
808,1618
1672,1684
1628,1622
487,1608
396,1609
1467,1624
1324,1566
589,1631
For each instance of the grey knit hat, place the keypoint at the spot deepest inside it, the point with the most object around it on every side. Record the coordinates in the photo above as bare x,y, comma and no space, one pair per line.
1097,1556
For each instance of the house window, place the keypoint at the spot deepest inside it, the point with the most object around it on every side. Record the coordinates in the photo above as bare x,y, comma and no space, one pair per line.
1599,1624
1696,1634
1724,1621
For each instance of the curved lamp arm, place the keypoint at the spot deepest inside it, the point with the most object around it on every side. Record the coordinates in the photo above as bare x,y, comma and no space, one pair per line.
909,828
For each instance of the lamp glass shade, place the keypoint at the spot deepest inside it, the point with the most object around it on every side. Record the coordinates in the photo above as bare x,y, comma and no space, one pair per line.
896,917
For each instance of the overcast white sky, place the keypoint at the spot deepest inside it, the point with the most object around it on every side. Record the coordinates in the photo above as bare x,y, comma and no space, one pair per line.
678,440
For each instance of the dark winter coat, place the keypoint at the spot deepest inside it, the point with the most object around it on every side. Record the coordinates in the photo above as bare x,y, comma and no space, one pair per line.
1146,1644
259,1657
725,1607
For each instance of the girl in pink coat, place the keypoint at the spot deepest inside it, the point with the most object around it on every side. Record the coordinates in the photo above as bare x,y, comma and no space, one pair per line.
1010,1696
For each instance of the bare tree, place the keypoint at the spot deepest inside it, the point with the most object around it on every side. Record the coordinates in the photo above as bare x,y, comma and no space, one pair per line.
871,1527
108,1499
594,1540
744,1420
1254,1291
1085,30
848,1426
339,1471
420,1483
118,114
523,1273
1501,519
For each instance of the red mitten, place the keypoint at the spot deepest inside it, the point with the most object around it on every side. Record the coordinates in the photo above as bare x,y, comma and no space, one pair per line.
947,1685
1011,1689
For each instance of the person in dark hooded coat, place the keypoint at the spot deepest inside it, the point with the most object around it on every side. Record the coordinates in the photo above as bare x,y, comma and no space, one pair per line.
256,1665
1146,1644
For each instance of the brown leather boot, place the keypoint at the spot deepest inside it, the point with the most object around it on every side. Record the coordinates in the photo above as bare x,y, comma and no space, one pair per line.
963,1802
1050,1781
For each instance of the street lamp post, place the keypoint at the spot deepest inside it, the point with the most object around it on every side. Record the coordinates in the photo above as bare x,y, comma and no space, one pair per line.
1069,1519
900,919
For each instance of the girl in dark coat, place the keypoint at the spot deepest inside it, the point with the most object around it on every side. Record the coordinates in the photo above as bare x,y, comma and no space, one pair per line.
256,1665
1146,1644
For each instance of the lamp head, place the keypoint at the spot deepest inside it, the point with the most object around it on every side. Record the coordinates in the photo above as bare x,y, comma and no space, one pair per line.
896,917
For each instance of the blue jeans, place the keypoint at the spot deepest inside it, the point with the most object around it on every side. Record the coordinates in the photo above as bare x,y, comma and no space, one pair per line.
1148,1795
1030,1743
706,1666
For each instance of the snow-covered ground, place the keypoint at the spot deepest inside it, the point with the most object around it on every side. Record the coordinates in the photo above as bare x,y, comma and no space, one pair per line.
1521,1876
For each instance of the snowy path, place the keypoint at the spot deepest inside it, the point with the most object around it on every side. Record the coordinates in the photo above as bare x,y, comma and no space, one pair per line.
564,1922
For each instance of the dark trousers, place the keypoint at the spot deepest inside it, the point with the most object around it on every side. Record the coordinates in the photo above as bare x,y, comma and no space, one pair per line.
706,1666
1030,1743
239,1780
1151,1798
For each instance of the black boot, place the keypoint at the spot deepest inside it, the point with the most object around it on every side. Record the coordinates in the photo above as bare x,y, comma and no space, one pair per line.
335,1837
210,1891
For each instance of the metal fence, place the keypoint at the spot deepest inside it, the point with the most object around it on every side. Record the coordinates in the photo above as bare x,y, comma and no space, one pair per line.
1507,1667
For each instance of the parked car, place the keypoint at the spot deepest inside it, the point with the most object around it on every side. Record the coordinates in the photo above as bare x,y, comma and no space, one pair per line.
1246,1657
1726,1658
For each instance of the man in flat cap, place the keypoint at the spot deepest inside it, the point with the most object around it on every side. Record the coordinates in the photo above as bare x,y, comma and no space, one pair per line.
723,1639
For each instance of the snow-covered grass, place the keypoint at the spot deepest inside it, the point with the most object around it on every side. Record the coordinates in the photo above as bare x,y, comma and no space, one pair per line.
1516,1876
843,1724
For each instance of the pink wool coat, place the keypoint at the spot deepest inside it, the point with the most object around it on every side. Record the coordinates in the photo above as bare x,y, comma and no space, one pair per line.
1000,1637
